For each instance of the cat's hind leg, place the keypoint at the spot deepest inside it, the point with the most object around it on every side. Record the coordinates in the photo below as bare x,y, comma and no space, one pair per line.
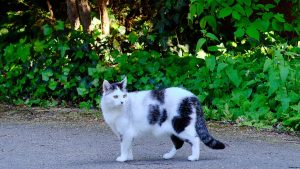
178,143
194,141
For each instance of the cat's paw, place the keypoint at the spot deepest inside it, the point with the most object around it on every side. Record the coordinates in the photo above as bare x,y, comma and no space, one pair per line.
168,155
193,158
122,159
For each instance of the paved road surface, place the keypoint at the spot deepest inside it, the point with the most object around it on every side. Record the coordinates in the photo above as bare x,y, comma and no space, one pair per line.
73,146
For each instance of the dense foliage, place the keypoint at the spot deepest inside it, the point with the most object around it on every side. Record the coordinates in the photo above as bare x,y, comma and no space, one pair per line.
241,58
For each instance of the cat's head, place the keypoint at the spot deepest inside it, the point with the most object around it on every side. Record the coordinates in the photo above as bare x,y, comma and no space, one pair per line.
115,94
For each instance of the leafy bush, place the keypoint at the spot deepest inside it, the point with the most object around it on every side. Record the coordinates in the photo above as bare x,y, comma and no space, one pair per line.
258,87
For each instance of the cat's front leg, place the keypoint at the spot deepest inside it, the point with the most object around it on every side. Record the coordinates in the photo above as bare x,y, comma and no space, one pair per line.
126,150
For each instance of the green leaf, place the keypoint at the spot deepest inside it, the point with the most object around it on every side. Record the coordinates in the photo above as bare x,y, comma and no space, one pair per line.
277,26
81,91
284,71
273,87
279,17
52,84
63,48
239,32
46,74
47,30
248,12
200,43
60,25
221,66
225,12
247,2
233,76
210,62
85,105
211,20
213,48
23,52
267,64
212,36
236,15
92,71
252,32
132,37
39,46
200,8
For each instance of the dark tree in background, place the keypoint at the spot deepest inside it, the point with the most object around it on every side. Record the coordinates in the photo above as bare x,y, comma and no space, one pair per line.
79,12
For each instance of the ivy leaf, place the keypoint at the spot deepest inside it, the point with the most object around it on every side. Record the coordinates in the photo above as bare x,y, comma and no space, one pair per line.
23,52
132,37
200,43
46,74
52,84
39,46
225,12
252,32
63,48
81,91
47,30
59,25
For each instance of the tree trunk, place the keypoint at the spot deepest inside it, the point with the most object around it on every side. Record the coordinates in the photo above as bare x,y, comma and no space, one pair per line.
85,14
104,16
73,14
50,10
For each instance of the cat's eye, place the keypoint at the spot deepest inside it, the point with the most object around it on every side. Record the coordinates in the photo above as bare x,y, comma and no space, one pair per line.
125,95
115,96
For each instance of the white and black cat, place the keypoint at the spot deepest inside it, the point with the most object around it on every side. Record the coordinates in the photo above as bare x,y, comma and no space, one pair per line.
172,111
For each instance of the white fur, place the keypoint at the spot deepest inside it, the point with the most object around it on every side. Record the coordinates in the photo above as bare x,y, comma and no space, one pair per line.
130,119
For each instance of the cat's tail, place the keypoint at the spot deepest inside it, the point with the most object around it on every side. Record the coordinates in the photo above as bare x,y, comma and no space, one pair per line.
203,133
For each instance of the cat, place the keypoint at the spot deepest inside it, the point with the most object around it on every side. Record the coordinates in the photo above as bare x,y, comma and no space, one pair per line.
173,111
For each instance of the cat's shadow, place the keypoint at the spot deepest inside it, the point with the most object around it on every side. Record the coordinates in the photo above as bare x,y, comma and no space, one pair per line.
140,162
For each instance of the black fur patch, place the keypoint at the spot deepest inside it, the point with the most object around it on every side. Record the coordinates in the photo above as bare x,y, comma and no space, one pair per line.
114,86
159,95
163,117
178,143
185,109
156,115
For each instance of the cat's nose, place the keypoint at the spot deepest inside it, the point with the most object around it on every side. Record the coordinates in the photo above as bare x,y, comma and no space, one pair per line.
122,102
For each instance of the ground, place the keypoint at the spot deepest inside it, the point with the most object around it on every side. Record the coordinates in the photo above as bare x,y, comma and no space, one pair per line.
70,138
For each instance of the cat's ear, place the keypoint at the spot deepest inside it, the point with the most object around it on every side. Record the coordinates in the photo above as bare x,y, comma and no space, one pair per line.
124,83
106,86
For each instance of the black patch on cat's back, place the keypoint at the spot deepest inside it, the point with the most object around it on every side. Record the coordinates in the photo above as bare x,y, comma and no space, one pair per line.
157,116
154,114
163,117
159,95
185,109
